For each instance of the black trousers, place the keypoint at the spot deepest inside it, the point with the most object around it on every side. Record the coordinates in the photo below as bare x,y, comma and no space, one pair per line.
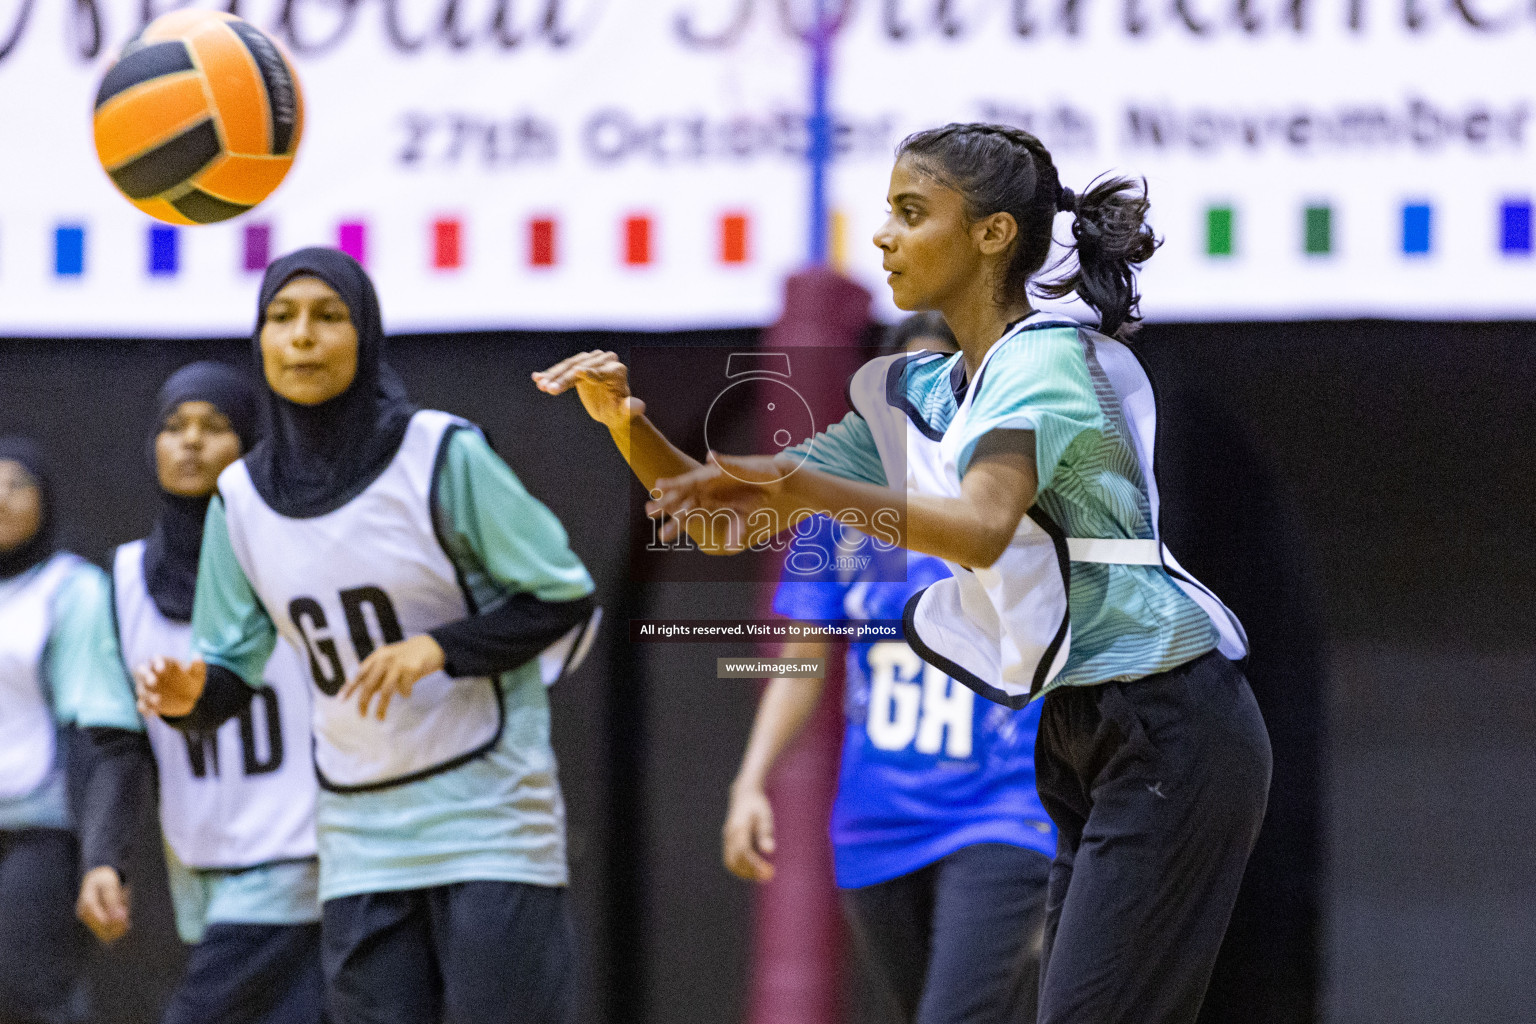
1157,788
467,953
251,974
958,941
42,945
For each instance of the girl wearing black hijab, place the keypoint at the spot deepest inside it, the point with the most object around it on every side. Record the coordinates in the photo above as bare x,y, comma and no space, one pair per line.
435,599
237,804
51,646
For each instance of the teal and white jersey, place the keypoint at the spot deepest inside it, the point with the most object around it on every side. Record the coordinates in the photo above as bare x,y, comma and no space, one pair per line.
55,640
496,815
242,795
375,567
1127,620
279,891
285,892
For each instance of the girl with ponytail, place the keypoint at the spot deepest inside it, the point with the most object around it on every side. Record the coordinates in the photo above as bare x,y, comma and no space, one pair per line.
999,170
1025,462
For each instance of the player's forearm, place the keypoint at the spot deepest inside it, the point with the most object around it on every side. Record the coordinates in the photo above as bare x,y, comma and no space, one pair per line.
969,530
507,636
652,457
115,770
957,530
648,452
786,706
224,695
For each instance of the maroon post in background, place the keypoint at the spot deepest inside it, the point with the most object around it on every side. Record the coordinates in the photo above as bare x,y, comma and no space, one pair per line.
798,928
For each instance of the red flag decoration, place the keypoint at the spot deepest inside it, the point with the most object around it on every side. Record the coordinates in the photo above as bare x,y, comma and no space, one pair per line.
637,240
733,238
541,242
447,244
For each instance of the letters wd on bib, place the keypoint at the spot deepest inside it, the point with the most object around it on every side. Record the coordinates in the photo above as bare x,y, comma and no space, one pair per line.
580,163
244,795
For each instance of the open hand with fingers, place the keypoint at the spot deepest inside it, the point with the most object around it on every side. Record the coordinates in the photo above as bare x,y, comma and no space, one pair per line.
392,670
601,381
169,688
737,484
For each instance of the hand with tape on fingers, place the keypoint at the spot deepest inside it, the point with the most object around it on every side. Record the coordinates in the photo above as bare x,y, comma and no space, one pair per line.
169,688
601,381
393,670
104,904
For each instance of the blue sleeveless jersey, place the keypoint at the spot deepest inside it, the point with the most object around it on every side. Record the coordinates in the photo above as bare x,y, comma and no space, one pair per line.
928,767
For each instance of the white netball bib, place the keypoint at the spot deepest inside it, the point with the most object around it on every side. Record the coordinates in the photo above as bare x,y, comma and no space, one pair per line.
28,733
1005,630
340,585
245,794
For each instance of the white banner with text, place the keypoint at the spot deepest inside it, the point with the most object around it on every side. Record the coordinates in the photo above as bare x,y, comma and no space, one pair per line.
640,164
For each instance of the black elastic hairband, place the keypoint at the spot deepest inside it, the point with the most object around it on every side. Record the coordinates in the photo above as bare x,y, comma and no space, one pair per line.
1066,200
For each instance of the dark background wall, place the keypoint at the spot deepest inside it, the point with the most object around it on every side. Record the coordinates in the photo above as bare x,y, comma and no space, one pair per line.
1358,491
1399,460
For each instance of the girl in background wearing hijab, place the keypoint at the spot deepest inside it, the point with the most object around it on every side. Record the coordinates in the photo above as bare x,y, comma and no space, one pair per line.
52,643
434,598
237,804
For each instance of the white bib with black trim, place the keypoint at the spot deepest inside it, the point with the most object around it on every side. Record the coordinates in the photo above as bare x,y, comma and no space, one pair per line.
340,585
1005,630
245,794
28,733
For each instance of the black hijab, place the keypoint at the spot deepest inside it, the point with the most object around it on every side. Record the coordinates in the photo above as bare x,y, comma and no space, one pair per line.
40,545
171,552
316,458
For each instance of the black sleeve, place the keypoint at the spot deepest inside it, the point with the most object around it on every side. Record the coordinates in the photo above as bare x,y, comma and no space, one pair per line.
508,635
225,695
115,770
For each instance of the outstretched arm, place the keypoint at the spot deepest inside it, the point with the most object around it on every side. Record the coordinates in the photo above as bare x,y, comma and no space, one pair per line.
601,381
972,530
767,494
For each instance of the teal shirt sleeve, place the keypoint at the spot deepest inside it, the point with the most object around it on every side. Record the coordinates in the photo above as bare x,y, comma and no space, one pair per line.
845,449
502,539
1039,381
230,626
86,674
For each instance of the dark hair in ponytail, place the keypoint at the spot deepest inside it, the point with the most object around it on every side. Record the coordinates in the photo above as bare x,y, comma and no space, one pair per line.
999,169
